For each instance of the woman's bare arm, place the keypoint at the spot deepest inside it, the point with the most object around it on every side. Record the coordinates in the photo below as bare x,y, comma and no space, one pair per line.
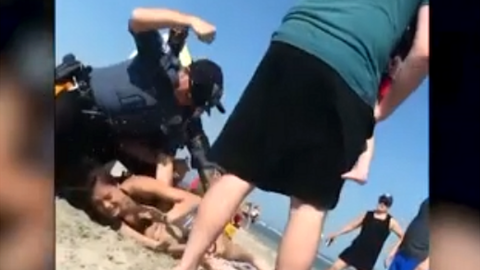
129,232
184,202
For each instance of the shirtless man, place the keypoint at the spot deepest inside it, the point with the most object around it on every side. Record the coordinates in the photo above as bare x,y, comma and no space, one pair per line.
156,215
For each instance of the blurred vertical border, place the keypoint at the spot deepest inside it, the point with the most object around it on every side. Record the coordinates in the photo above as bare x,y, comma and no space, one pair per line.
27,31
455,103
454,135
26,135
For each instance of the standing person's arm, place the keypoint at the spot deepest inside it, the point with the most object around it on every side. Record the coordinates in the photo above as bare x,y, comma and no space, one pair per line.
353,225
397,230
414,68
359,173
395,248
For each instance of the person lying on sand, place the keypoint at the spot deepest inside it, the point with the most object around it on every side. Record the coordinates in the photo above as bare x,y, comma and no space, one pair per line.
156,215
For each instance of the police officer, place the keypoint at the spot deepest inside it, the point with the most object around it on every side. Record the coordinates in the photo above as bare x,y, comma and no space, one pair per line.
150,98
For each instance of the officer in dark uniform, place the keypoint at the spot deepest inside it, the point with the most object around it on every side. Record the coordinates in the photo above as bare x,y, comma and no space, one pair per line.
150,99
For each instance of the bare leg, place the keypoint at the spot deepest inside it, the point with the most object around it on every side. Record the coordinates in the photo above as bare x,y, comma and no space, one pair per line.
339,264
360,171
303,232
212,217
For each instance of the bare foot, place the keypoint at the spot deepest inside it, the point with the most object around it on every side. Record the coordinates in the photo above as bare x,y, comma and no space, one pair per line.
356,176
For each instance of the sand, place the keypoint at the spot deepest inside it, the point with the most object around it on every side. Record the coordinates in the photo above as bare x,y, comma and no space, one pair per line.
83,244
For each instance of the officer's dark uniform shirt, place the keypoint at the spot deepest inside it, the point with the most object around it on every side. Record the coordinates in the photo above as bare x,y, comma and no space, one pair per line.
137,95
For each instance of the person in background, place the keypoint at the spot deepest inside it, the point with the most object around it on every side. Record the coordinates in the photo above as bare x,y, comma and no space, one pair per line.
375,227
254,214
412,250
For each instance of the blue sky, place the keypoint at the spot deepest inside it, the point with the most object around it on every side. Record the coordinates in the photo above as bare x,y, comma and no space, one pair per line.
96,31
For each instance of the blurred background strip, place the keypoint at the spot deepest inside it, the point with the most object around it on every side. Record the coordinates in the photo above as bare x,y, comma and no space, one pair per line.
26,136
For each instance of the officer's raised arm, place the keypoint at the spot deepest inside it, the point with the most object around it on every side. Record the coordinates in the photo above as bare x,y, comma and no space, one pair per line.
147,19
153,19
145,23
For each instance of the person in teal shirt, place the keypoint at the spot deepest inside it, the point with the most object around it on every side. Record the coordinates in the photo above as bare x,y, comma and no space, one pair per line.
305,115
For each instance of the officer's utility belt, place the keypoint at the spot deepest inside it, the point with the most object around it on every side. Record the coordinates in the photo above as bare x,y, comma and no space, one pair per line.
73,75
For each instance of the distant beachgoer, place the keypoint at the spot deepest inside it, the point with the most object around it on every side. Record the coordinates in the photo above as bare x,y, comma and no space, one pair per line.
254,214
412,251
156,215
375,227
305,115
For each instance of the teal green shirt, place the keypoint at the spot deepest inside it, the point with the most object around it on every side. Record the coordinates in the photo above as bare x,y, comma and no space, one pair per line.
354,37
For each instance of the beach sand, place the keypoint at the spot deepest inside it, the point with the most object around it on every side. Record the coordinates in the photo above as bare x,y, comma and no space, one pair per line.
83,244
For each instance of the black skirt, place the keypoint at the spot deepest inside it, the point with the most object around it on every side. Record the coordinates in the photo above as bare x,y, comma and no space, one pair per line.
297,127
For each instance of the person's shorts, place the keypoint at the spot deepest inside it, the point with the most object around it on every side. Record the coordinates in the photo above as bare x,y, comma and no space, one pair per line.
403,262
296,128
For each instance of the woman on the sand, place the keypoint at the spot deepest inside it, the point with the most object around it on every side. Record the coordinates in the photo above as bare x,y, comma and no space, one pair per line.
156,215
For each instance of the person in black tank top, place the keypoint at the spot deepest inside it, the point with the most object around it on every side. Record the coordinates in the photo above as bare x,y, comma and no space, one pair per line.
375,227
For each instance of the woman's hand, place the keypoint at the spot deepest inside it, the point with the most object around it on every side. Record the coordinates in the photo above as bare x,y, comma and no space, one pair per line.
161,246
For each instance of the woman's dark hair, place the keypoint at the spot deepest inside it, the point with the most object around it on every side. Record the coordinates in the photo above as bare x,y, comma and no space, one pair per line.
102,175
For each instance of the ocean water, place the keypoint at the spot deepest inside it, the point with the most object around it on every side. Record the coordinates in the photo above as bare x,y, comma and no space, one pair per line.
271,238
